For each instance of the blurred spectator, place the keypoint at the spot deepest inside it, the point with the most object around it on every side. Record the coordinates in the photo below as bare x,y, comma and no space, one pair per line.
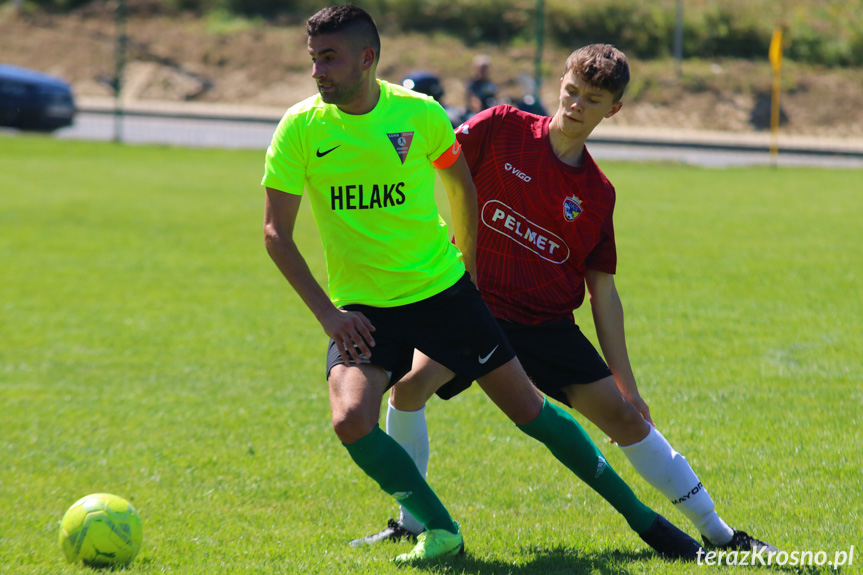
481,91
428,83
529,102
424,83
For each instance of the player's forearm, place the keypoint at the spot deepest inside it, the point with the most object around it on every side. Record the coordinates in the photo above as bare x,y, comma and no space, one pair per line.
463,209
607,311
293,266
465,233
608,320
613,344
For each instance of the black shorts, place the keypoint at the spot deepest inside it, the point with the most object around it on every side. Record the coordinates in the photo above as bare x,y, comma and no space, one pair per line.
454,328
554,355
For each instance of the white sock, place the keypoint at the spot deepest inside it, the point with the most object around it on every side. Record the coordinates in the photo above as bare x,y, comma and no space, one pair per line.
669,472
409,429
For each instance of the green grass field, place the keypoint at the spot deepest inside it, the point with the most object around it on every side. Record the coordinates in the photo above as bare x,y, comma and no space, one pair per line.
150,348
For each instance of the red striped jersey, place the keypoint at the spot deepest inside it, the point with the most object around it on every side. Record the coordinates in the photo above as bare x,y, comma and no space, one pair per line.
542,223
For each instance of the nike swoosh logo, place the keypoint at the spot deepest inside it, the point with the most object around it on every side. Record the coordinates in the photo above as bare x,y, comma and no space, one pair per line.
324,153
482,360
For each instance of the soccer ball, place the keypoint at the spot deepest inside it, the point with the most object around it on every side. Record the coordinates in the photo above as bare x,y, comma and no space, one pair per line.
101,530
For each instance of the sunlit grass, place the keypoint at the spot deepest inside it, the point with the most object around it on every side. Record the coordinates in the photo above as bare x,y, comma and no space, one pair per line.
148,347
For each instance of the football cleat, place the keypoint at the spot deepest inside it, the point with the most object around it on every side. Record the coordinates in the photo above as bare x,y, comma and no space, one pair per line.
434,544
394,532
670,542
742,541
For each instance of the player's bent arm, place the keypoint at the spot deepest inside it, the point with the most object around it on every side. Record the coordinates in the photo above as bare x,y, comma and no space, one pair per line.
280,216
463,209
346,328
607,310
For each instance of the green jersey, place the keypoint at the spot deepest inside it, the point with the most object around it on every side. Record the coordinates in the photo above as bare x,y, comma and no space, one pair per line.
370,180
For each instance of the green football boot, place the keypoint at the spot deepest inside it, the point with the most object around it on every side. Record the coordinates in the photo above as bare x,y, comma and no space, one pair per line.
434,544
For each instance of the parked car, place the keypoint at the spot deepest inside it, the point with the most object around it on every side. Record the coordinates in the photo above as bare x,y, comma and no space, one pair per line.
32,100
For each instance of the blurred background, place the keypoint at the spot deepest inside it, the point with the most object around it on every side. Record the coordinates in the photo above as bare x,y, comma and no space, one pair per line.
696,64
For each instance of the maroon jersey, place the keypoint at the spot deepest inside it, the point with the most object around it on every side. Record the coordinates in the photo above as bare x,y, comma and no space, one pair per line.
542,223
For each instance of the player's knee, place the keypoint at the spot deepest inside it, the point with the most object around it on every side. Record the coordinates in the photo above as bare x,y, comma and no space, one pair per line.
351,426
628,426
413,391
619,419
630,418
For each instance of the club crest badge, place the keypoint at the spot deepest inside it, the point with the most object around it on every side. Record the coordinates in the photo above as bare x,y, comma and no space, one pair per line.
572,208
401,141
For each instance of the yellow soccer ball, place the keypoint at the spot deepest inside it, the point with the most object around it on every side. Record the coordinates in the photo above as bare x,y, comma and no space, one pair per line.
101,530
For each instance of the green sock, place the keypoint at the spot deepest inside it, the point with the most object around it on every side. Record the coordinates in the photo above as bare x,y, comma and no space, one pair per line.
571,445
385,461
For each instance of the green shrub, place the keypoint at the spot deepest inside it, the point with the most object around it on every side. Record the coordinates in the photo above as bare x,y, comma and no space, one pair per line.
805,44
725,34
644,31
855,49
828,32
477,21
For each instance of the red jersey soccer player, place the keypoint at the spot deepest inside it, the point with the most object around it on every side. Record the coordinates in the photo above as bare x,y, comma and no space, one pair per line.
545,232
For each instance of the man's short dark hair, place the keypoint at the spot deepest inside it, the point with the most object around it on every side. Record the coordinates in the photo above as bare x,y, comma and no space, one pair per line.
346,19
602,66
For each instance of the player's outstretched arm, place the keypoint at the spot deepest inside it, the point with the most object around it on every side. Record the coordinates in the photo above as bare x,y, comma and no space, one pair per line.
463,209
345,328
607,312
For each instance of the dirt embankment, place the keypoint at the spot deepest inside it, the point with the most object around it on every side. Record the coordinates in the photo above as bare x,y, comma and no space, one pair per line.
186,59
